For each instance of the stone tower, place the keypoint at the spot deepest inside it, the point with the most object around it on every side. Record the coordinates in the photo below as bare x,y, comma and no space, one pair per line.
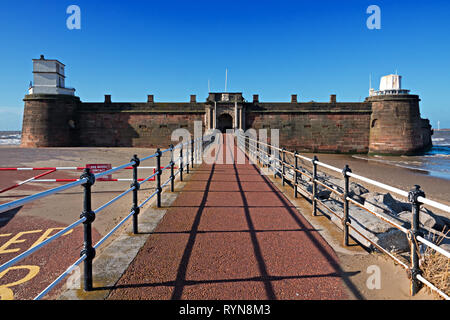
49,118
395,124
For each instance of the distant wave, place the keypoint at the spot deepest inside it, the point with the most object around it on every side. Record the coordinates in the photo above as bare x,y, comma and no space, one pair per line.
402,164
10,138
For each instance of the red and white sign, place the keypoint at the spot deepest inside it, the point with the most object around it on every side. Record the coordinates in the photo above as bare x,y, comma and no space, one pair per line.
97,168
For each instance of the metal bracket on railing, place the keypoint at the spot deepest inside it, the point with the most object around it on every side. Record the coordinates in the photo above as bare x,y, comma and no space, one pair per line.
414,194
89,215
87,174
90,255
136,161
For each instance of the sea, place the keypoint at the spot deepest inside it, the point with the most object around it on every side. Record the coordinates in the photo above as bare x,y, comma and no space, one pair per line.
435,162
10,137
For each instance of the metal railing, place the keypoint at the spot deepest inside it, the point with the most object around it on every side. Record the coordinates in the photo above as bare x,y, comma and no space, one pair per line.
189,153
274,158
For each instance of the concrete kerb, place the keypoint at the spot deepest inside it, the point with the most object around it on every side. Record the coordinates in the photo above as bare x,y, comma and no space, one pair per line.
114,259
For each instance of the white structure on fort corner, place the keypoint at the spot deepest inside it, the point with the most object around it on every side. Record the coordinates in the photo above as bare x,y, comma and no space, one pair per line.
390,84
49,78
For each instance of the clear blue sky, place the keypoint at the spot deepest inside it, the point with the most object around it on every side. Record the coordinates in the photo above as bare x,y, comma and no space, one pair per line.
273,48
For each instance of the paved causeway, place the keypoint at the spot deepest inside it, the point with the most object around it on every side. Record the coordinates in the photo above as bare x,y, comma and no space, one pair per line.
231,234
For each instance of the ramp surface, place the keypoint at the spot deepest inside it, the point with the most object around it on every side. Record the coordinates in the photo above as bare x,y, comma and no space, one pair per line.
231,234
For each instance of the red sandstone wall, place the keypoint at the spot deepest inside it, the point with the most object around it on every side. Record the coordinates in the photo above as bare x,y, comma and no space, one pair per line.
317,132
46,121
387,125
126,129
396,126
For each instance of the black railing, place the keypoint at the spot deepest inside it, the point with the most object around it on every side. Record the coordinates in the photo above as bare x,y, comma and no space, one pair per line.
189,153
274,158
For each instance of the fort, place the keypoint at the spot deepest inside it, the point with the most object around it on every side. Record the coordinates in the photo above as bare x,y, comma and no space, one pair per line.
387,122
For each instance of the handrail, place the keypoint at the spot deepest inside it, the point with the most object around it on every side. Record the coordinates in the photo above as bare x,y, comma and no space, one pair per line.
26,253
86,182
20,202
416,197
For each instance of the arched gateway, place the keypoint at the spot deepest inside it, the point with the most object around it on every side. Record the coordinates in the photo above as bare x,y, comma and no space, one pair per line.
225,111
225,121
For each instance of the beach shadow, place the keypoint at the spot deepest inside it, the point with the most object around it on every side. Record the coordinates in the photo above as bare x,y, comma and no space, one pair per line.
313,237
180,282
7,216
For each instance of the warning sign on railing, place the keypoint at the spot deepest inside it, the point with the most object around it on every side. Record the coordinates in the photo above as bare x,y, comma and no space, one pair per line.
97,168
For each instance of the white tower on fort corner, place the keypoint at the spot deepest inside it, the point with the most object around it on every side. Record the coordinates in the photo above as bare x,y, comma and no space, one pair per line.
389,85
49,78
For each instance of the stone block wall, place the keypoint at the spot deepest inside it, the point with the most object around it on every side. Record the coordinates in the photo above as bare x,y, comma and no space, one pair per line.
317,128
137,129
48,121
396,126
379,125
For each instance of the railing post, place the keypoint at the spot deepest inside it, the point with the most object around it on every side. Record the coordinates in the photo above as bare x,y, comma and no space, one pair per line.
345,218
314,189
196,150
283,167
275,163
247,145
135,208
158,178
192,154
257,152
295,173
87,213
181,163
187,158
262,155
172,175
413,233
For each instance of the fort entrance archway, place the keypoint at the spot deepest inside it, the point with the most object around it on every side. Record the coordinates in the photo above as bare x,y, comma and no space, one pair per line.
225,121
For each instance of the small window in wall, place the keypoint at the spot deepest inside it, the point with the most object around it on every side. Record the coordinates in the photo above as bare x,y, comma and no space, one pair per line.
374,123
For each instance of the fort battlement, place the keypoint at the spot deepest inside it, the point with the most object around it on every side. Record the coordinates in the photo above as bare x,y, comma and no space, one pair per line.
386,122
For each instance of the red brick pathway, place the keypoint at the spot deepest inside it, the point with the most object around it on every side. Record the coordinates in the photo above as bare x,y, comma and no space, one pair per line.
231,234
